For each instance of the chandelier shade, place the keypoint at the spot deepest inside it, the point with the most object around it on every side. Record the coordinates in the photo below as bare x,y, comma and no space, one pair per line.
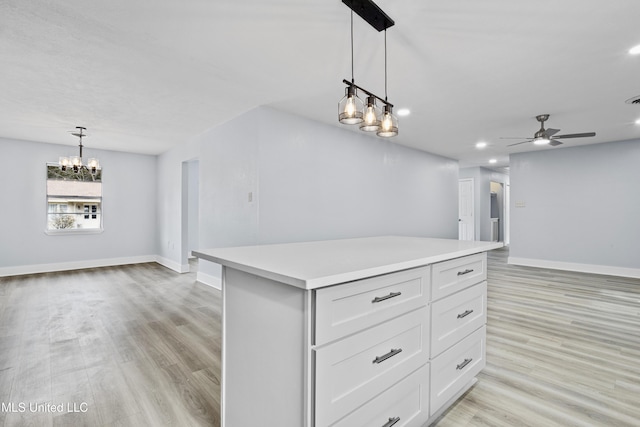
75,162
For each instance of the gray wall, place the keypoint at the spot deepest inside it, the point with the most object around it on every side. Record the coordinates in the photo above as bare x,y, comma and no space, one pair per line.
129,208
581,205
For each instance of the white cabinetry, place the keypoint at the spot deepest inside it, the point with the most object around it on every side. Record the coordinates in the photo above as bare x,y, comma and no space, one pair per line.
375,332
458,319
371,335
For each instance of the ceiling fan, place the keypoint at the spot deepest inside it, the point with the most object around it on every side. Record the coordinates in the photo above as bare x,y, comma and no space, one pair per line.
548,136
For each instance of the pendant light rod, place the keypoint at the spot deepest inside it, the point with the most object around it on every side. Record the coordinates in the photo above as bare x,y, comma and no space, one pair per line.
80,134
385,64
347,82
370,12
352,78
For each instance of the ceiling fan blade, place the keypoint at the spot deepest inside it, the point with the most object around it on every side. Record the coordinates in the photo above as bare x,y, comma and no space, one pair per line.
551,132
555,142
576,135
515,137
518,143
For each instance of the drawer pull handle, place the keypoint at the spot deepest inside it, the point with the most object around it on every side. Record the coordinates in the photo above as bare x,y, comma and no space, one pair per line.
467,271
463,364
380,359
391,422
465,314
386,297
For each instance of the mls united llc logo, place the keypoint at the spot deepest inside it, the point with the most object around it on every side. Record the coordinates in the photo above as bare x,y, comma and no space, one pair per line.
22,407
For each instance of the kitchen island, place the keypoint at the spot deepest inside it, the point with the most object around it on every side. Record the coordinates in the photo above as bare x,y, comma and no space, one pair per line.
381,331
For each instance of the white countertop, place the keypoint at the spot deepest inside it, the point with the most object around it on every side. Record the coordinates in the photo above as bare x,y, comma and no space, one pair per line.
311,265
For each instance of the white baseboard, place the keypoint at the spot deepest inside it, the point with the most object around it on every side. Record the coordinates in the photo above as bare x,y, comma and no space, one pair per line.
572,266
172,265
73,265
209,280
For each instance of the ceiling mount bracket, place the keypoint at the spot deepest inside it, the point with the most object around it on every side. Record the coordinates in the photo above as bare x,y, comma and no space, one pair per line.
370,12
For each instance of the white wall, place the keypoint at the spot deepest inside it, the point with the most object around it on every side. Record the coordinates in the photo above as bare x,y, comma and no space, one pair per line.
482,178
129,209
581,208
313,181
268,177
193,205
322,182
172,251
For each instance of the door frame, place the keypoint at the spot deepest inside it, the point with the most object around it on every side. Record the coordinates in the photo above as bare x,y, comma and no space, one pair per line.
473,206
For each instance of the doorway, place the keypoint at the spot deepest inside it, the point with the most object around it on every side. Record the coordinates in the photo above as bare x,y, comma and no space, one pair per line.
466,207
497,216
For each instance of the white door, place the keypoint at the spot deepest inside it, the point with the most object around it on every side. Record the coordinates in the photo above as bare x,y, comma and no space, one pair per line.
466,229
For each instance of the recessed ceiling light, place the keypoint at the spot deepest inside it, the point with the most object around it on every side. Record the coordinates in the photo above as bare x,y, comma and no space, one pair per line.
492,161
481,145
635,50
403,112
638,122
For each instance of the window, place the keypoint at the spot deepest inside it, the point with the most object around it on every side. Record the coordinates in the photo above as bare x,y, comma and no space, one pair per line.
74,201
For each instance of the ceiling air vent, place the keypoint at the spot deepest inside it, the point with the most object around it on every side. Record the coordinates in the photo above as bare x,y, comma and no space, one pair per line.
633,101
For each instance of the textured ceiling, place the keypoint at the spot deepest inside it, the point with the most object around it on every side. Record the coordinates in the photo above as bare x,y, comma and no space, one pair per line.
145,75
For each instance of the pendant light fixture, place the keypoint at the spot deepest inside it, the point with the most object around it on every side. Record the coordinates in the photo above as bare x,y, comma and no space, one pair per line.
350,106
389,123
75,162
370,117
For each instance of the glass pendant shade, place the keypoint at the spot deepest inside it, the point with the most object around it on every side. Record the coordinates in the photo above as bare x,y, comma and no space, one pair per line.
93,165
388,124
371,116
350,107
76,162
64,163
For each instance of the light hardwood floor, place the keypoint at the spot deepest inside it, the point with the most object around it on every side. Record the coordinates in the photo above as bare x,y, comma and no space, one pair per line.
563,349
140,346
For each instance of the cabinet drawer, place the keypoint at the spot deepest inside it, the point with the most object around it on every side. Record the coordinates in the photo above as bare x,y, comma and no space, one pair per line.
407,401
456,367
352,371
451,276
456,316
344,309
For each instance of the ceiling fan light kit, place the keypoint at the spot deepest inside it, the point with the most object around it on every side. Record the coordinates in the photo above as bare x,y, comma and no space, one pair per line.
548,136
351,109
541,141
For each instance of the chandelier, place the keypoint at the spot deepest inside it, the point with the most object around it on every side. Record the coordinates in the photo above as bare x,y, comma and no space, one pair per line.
351,109
75,162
